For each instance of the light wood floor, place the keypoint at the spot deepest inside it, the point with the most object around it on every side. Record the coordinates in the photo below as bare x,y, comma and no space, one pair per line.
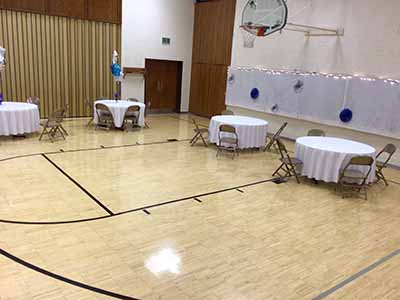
243,238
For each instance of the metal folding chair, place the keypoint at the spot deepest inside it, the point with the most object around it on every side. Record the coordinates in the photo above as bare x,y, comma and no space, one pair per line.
131,114
104,116
274,138
228,140
198,134
227,112
288,164
355,180
51,127
388,150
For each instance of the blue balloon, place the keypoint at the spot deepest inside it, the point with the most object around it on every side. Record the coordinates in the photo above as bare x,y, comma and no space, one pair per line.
346,115
116,70
254,93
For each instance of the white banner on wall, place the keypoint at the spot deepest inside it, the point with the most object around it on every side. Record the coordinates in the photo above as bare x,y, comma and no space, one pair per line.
318,97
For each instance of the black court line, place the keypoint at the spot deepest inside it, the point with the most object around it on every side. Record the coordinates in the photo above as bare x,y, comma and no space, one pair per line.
146,212
197,200
64,279
78,185
357,275
137,209
240,191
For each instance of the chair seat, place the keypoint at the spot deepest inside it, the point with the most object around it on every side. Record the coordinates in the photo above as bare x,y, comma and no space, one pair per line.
353,174
294,160
228,140
379,164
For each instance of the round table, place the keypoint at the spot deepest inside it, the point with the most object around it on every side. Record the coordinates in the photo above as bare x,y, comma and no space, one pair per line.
324,157
118,110
251,132
19,118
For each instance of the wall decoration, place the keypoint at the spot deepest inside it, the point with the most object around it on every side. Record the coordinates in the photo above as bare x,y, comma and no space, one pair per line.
231,79
346,115
254,93
368,103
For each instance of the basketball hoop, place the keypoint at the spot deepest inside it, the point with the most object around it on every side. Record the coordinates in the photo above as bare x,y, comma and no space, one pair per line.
248,37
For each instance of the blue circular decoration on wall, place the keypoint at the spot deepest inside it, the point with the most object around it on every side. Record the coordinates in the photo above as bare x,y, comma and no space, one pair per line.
275,108
346,115
254,93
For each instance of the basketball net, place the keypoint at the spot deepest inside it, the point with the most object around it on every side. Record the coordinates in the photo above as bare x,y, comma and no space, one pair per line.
250,32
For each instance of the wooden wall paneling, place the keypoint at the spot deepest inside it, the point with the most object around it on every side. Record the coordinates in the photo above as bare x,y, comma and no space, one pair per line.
38,6
60,60
67,8
104,10
217,90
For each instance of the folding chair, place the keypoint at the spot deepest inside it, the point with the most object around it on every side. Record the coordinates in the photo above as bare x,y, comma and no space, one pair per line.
133,99
131,114
288,164
275,137
316,132
198,134
389,149
227,112
52,126
228,140
104,116
355,180
60,119
89,110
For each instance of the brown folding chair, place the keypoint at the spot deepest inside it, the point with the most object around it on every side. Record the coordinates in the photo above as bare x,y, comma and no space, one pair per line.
89,110
51,127
355,180
227,112
273,139
198,134
104,116
228,140
60,119
316,132
133,99
131,114
288,164
387,151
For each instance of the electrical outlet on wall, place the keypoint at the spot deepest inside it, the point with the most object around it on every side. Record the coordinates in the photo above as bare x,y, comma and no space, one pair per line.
165,40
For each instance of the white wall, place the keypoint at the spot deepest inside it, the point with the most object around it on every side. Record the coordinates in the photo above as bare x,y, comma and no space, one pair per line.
370,46
144,23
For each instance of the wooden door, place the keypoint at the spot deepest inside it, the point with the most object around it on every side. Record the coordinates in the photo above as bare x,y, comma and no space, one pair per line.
163,85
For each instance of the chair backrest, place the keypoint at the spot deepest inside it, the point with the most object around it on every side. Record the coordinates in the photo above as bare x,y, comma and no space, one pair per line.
278,133
227,112
316,132
133,108
56,116
101,108
34,100
195,125
133,99
102,98
227,128
389,149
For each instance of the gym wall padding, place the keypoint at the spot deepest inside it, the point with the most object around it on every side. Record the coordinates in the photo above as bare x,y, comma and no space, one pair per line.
319,98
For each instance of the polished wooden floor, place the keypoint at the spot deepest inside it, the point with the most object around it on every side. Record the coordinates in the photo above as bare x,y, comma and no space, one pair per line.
128,215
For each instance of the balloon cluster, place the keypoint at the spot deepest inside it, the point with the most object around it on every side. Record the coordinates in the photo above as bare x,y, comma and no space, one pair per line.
116,68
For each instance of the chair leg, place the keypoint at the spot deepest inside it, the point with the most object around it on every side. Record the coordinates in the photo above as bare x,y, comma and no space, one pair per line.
43,132
204,141
277,170
192,141
90,122
63,130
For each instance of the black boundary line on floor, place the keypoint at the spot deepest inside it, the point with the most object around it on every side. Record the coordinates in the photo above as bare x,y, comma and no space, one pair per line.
91,196
102,147
240,191
64,279
146,212
354,277
139,208
197,200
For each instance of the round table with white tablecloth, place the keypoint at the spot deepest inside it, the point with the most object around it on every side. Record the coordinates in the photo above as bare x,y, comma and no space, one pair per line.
251,132
324,157
19,118
118,110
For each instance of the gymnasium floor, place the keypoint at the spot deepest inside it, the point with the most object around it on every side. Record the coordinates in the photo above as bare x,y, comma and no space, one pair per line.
116,215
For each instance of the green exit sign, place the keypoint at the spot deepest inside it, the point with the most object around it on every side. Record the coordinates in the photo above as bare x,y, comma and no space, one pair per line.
165,40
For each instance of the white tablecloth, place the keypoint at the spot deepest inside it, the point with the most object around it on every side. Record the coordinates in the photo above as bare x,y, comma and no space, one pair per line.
251,132
118,110
323,157
18,118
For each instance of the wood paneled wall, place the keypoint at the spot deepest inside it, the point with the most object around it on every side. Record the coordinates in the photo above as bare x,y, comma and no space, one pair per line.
212,47
60,60
95,10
